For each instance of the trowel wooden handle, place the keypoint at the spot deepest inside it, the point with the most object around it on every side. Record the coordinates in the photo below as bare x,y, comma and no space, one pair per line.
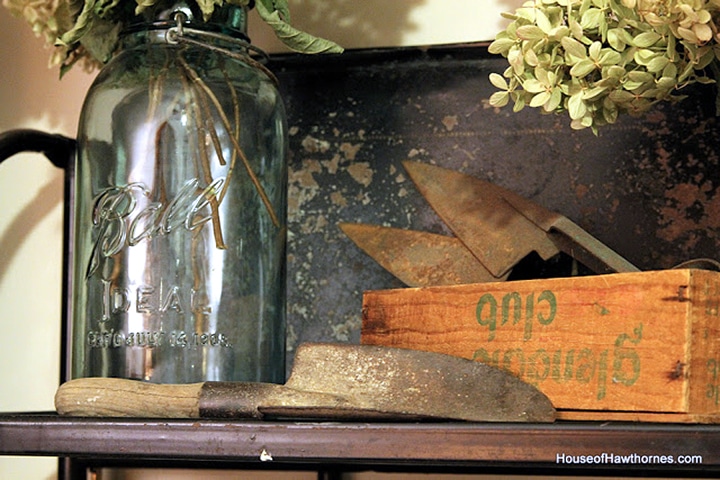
114,397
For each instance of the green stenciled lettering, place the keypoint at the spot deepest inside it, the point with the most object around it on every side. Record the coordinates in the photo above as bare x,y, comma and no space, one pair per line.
712,307
556,366
508,361
602,375
624,337
490,320
483,356
620,374
538,367
601,309
622,354
586,366
529,316
511,311
513,297
712,366
713,393
549,297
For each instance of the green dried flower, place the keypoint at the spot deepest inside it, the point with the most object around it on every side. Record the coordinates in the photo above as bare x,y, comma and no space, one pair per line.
597,59
86,31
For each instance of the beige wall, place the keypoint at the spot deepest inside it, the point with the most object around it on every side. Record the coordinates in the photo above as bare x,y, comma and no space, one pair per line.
31,189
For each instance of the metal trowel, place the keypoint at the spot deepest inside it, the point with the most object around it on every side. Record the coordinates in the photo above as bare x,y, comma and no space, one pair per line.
328,382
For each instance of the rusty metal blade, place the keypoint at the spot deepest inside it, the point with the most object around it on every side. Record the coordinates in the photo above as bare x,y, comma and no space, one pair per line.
569,237
588,250
401,381
490,227
419,259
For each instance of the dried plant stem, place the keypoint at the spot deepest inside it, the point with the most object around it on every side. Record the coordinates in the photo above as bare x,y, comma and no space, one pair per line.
235,134
198,263
209,95
218,148
159,148
205,163
201,99
188,100
192,100
155,86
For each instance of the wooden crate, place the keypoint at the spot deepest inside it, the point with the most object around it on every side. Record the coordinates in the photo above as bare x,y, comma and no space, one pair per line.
630,346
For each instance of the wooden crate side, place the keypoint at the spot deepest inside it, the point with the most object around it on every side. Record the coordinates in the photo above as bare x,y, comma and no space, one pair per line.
703,365
590,343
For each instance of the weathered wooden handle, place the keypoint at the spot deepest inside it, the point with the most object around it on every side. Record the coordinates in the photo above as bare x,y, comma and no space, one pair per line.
114,397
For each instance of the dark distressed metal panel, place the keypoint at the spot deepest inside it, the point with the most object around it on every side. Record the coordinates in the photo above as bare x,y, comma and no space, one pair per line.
646,187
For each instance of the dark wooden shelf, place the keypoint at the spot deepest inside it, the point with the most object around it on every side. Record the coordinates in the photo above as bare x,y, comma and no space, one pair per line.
358,446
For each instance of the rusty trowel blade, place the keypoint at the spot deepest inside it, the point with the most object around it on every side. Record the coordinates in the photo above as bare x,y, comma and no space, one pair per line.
419,259
497,235
411,382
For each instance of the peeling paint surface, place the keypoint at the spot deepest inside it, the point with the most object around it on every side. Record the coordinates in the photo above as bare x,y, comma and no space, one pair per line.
646,187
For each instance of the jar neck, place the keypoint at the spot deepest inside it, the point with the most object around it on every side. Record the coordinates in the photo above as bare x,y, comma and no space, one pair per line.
228,20
180,24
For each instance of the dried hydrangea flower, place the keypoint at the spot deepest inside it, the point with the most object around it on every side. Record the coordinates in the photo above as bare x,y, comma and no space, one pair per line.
597,59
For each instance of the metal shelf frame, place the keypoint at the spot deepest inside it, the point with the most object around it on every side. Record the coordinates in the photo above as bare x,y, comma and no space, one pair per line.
648,449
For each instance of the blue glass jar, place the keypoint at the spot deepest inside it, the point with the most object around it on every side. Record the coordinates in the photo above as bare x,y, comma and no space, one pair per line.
179,246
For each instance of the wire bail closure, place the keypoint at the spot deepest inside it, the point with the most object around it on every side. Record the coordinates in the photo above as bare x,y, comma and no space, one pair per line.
182,34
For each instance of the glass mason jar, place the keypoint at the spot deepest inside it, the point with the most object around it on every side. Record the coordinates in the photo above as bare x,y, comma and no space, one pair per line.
179,245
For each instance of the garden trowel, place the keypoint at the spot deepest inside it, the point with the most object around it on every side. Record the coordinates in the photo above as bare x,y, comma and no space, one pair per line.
329,382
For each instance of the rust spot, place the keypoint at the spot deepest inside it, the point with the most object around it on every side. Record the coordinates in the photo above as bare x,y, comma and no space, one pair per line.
349,150
361,173
581,191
